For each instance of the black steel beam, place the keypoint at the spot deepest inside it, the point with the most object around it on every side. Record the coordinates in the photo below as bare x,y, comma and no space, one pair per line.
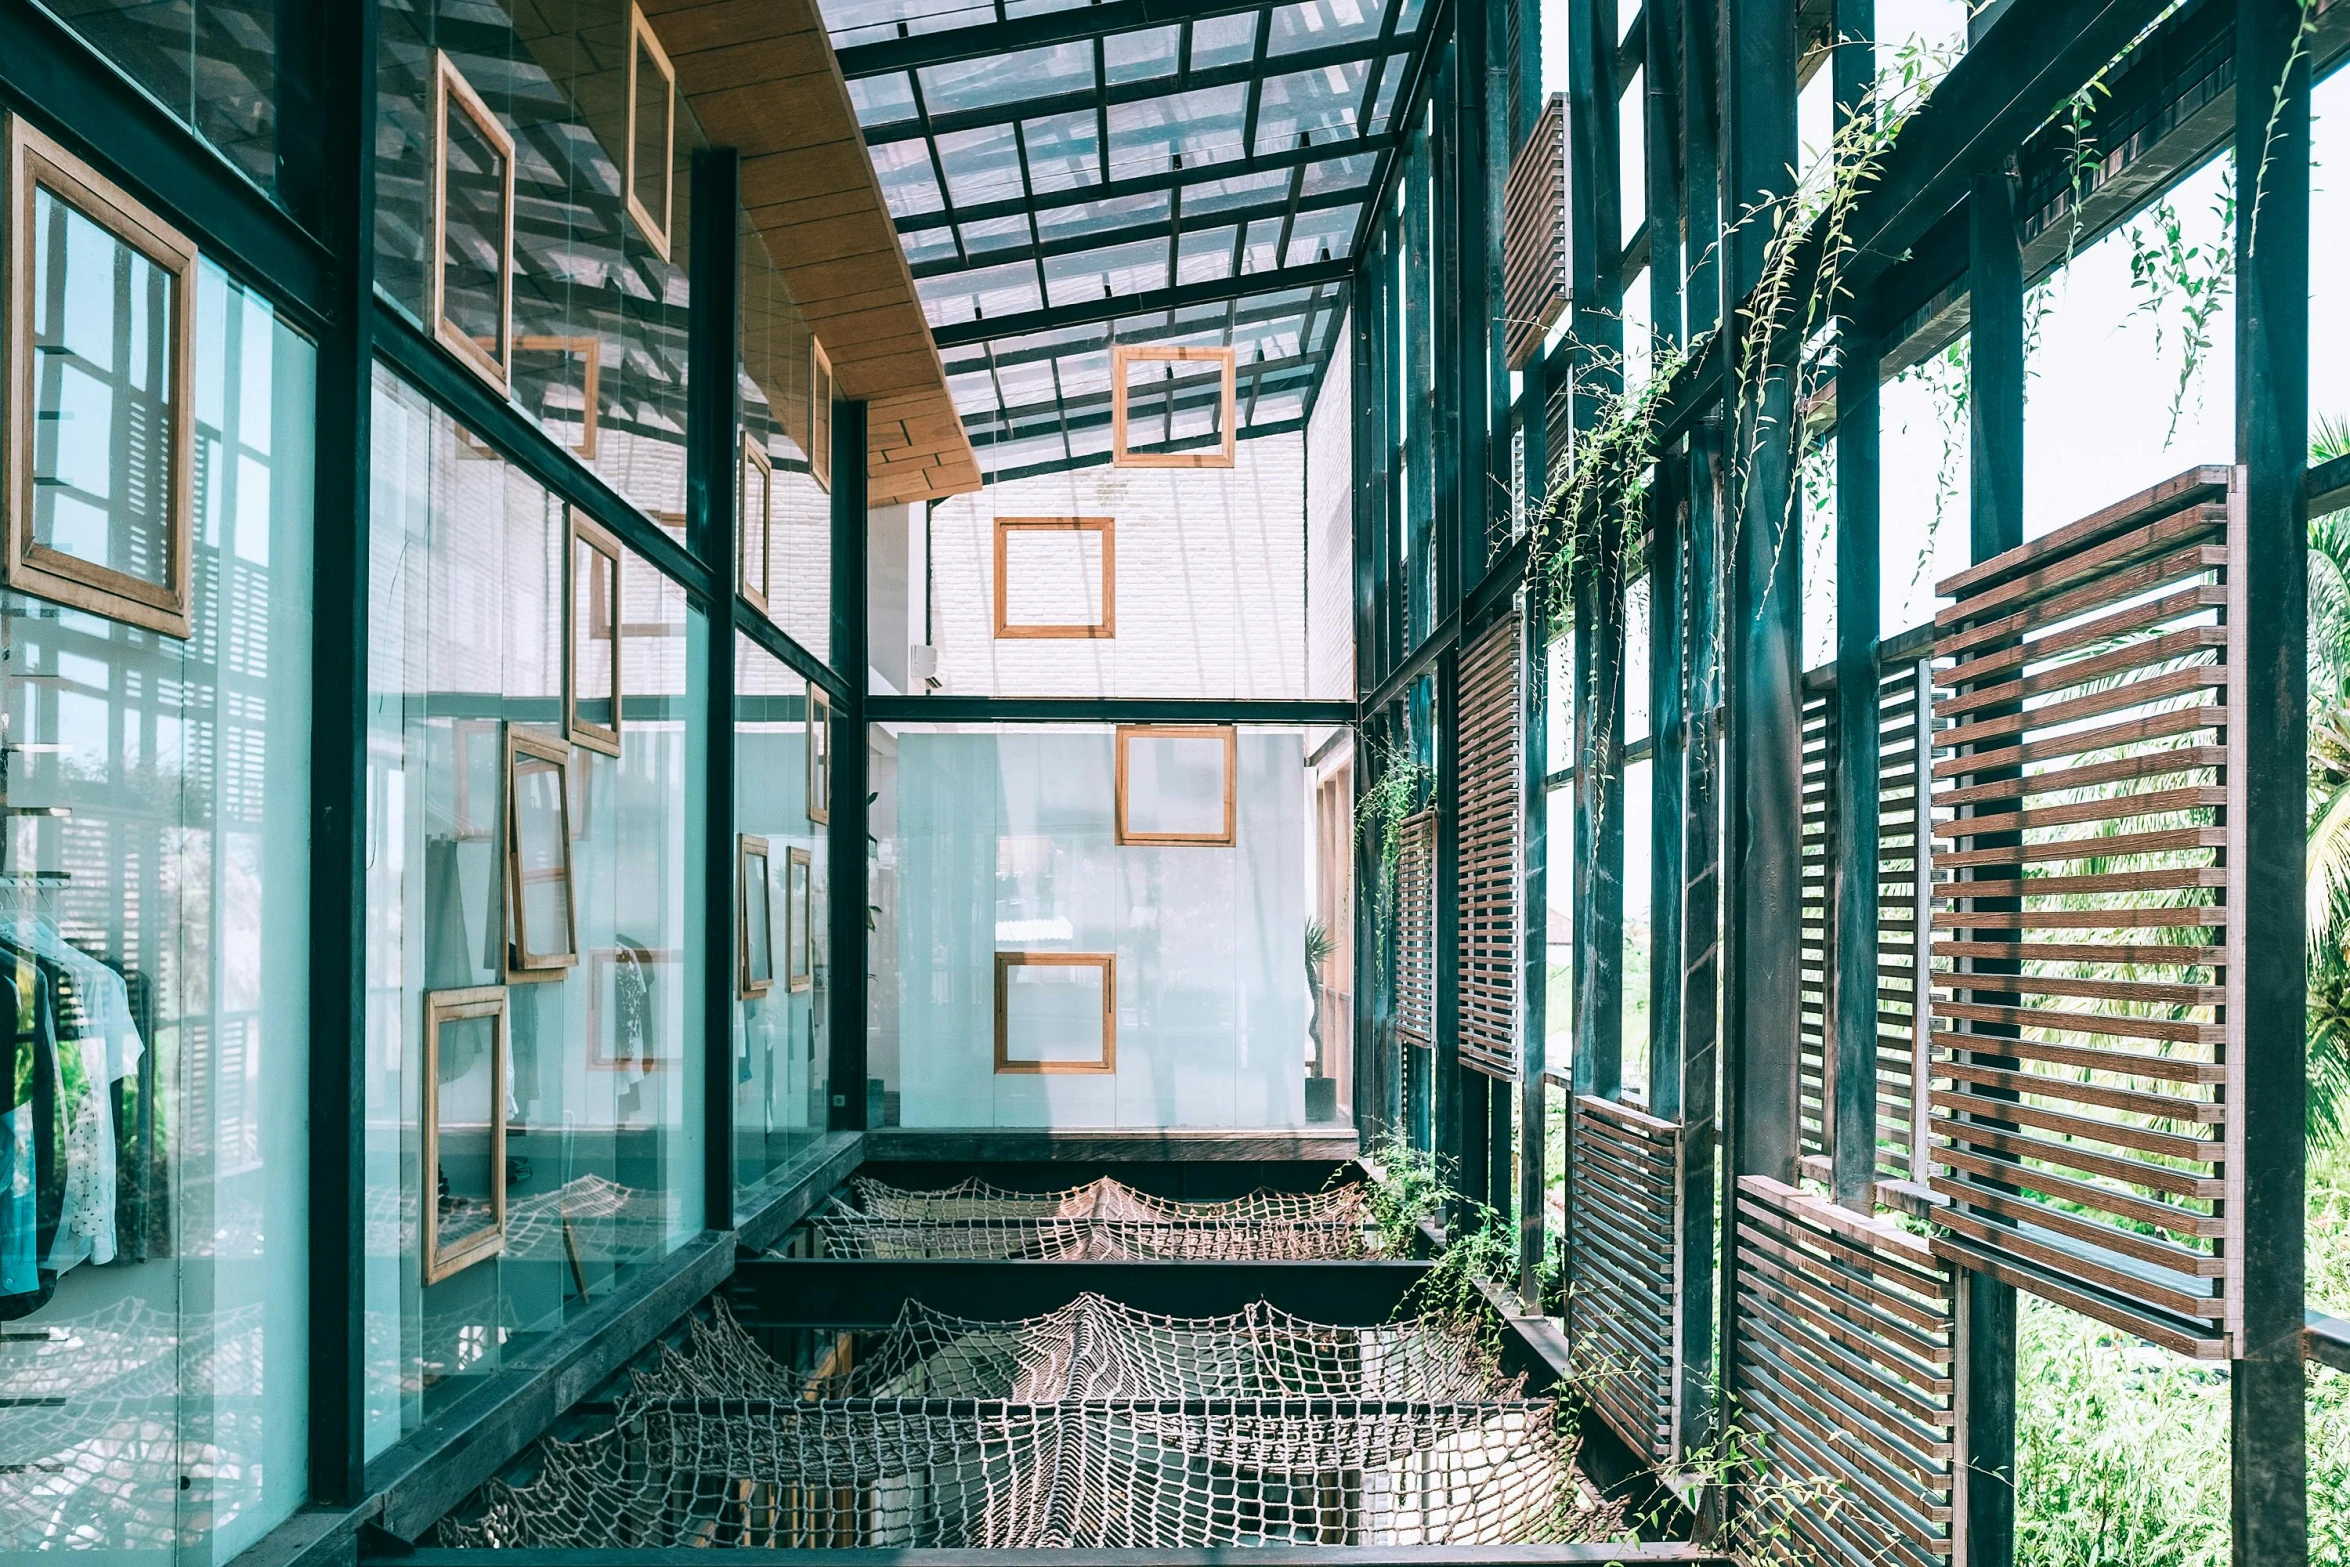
342,138
2325,1340
836,1293
998,37
848,842
1154,183
775,640
1087,312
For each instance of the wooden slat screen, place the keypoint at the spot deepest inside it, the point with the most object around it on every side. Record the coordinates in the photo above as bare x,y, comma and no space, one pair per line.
1415,929
1624,1262
1903,918
1492,828
1846,1348
1819,859
1535,262
2083,1130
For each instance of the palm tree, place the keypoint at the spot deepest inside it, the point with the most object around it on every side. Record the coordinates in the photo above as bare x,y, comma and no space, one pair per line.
2329,807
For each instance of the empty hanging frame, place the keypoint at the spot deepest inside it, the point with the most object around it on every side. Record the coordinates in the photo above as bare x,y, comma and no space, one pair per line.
1056,1012
799,926
755,537
651,151
1220,404
587,350
1177,784
819,754
463,1123
99,511
820,393
591,645
542,938
754,919
1056,578
470,268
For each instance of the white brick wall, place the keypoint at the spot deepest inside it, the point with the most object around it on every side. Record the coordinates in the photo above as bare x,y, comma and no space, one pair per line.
1330,570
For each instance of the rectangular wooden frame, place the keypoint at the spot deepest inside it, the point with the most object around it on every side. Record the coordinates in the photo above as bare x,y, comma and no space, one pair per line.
819,755
522,964
820,394
450,88
1107,626
448,1006
35,162
590,351
656,230
799,920
1230,735
595,737
1124,354
748,848
1107,962
757,583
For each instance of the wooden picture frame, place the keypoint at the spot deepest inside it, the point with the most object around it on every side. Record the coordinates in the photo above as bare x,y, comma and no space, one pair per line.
591,616
1228,834
754,913
35,164
442,1007
755,524
532,954
1121,453
1005,962
453,93
1104,628
820,394
602,961
589,351
819,755
799,920
644,47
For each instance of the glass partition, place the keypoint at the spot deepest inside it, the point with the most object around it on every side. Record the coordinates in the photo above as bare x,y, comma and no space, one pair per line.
1004,842
786,478
534,1041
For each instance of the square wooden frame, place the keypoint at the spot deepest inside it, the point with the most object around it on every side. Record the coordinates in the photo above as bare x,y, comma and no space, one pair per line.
590,351
1106,627
799,920
655,231
1230,735
451,89
595,737
1124,354
755,585
819,754
820,394
746,849
1107,962
36,162
449,1006
523,965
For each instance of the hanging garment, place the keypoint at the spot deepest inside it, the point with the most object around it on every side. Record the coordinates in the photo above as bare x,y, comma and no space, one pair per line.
32,1139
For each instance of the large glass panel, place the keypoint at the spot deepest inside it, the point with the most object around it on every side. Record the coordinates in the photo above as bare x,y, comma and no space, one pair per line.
782,1033
154,971
782,389
996,840
213,63
601,1170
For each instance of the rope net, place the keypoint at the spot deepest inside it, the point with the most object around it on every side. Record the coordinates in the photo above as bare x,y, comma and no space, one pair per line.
1095,1426
1103,1220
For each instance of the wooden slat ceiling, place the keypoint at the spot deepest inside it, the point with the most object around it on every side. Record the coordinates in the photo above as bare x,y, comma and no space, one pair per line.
761,78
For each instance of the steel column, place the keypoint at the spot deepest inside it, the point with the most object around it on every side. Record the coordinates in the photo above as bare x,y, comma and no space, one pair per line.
848,840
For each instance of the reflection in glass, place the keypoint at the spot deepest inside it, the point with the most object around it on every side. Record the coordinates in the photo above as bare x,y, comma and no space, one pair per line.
473,221
652,129
594,651
800,925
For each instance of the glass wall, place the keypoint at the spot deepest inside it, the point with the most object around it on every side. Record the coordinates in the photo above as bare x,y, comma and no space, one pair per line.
154,941
213,63
1096,926
783,944
787,392
534,1041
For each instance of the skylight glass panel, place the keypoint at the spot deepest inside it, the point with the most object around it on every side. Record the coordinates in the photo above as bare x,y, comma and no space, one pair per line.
1086,374
973,393
1132,268
1391,78
1205,255
906,181
998,79
1064,150
981,165
1223,40
1240,190
1317,104
881,100
1142,55
1092,217
1202,127
1262,253
1332,175
928,245
1323,24
993,291
1326,235
988,234
866,21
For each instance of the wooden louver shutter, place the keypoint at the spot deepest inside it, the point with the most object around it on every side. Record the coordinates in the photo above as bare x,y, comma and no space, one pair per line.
1492,763
2087,1017
1415,929
1534,264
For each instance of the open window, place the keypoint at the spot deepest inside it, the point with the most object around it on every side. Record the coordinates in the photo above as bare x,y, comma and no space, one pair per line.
100,401
1171,406
819,754
542,940
755,541
591,659
471,267
799,902
652,132
820,391
1056,1012
1056,577
560,379
755,912
464,1122
1176,784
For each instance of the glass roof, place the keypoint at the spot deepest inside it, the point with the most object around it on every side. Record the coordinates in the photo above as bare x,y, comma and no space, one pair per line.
1063,174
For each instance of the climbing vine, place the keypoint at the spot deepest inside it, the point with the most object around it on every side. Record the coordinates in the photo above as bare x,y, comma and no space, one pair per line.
2181,284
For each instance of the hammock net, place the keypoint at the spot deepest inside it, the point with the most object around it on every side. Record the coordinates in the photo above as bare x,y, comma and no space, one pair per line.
1094,1426
1103,1220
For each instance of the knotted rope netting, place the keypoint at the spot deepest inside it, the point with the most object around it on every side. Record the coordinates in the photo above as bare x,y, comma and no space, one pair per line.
1095,1426
1102,1220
